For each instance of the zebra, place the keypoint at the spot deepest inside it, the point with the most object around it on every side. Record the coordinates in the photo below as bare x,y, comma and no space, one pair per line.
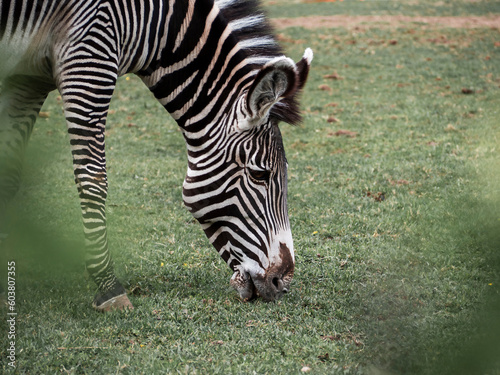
217,69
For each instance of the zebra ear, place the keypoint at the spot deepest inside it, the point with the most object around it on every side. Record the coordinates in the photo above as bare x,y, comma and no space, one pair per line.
275,81
288,109
303,67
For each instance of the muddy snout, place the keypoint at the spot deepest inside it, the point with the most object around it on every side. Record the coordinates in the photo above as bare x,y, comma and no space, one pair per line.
270,283
270,287
273,286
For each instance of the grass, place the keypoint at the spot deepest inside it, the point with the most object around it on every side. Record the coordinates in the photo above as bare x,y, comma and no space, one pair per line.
283,8
393,200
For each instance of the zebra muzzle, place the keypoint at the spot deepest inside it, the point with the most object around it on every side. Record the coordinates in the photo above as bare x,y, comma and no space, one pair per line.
270,283
270,286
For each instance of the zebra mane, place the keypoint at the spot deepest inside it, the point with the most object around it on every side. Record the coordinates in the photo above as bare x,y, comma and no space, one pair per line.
256,37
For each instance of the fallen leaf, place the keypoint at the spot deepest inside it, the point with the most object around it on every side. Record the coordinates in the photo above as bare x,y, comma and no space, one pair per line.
325,88
399,182
450,128
337,151
44,114
393,42
346,133
379,197
333,76
332,119
497,44
467,91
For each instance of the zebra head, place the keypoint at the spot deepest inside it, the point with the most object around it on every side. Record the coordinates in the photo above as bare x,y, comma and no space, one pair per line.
236,187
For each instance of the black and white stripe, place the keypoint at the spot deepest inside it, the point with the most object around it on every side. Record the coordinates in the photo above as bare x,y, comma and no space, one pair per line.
214,66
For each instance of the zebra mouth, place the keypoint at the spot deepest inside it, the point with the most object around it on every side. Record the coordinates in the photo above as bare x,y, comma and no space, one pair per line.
243,283
270,288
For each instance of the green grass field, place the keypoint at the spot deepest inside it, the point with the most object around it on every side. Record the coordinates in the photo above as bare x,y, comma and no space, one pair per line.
394,204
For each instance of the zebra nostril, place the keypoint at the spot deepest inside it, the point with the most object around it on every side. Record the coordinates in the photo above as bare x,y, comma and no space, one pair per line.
278,284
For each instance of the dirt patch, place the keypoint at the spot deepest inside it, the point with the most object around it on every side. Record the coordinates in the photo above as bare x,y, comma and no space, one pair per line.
351,22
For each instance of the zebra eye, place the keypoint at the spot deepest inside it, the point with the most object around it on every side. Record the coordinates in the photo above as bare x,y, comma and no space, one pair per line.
259,176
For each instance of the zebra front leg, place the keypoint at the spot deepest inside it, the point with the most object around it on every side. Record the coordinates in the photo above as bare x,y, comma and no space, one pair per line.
92,189
86,126
90,176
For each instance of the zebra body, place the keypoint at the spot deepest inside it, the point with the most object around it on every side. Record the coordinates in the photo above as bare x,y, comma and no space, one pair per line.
215,68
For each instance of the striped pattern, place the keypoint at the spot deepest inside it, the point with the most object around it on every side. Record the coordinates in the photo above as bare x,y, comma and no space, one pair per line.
217,70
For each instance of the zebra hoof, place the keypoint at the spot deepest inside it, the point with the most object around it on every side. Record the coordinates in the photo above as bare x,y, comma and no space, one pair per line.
120,302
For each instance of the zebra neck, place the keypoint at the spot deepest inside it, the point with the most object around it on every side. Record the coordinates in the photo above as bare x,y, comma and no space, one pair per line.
206,61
